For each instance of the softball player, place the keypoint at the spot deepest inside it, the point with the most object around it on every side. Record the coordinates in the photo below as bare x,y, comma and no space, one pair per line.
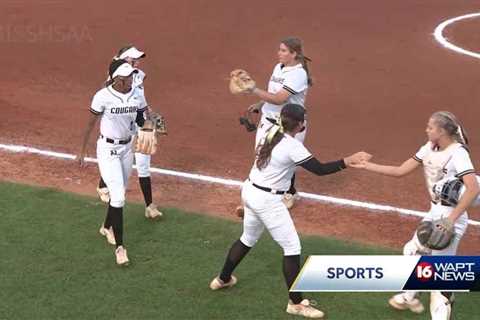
119,106
444,155
133,56
288,84
278,154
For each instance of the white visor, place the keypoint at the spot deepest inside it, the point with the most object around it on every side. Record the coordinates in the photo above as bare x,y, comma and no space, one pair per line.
124,71
133,53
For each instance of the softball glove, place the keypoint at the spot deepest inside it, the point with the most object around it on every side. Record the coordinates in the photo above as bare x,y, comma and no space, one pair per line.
241,82
146,140
437,234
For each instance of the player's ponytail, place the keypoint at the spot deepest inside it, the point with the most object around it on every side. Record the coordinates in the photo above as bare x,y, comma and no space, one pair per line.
295,45
291,116
447,121
264,149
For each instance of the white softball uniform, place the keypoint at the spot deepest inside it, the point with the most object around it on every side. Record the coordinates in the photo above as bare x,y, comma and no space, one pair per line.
293,79
114,146
265,209
142,161
454,161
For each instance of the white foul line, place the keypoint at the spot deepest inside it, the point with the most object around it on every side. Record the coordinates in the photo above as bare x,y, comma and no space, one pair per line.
233,183
438,34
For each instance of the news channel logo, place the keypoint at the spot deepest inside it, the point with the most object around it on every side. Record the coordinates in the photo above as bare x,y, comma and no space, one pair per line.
389,273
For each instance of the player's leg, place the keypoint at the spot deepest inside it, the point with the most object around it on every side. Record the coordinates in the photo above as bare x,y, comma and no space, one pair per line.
280,225
441,303
408,300
111,170
143,168
252,231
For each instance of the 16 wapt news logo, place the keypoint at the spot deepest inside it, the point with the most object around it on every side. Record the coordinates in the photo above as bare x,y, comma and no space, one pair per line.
389,273
455,273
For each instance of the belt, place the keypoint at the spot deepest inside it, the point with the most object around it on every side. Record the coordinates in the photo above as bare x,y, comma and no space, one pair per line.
272,120
273,191
116,141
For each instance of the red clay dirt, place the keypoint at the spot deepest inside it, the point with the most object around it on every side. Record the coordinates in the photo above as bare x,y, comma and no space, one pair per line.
378,75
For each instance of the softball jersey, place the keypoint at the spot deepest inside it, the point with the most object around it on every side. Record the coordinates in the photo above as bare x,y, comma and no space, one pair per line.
286,155
454,161
118,111
294,79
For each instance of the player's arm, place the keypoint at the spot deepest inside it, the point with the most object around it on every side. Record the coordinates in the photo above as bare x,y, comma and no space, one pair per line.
393,171
313,165
91,123
278,98
472,190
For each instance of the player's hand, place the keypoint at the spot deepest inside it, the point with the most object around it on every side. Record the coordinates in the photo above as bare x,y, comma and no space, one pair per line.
358,160
255,108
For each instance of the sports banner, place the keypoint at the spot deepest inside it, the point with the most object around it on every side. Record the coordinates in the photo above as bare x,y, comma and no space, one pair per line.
389,273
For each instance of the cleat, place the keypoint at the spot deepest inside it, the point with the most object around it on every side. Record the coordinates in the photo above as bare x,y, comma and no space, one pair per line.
304,309
399,302
151,212
218,284
121,256
108,233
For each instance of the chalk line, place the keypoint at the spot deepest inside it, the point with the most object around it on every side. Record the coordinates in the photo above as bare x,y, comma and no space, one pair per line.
438,34
232,183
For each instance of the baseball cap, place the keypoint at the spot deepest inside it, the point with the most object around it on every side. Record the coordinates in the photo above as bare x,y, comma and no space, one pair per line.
293,111
132,53
121,68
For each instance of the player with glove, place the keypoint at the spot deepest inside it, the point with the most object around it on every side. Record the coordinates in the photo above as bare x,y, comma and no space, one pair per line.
445,155
145,141
288,83
118,106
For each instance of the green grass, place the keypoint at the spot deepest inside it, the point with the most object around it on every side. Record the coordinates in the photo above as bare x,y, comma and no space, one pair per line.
55,265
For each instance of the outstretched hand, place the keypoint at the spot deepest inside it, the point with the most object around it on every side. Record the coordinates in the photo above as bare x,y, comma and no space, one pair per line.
358,160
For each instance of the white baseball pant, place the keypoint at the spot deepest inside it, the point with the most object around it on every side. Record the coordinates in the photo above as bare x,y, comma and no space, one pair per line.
142,161
439,309
115,163
266,210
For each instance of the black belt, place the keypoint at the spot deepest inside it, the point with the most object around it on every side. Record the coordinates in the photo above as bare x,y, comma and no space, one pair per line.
118,141
273,121
268,189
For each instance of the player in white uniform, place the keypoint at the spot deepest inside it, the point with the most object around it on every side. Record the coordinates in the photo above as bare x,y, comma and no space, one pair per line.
445,155
119,106
133,56
288,84
278,155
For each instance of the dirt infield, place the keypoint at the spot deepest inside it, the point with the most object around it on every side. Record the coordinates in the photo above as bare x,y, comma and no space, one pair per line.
378,75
